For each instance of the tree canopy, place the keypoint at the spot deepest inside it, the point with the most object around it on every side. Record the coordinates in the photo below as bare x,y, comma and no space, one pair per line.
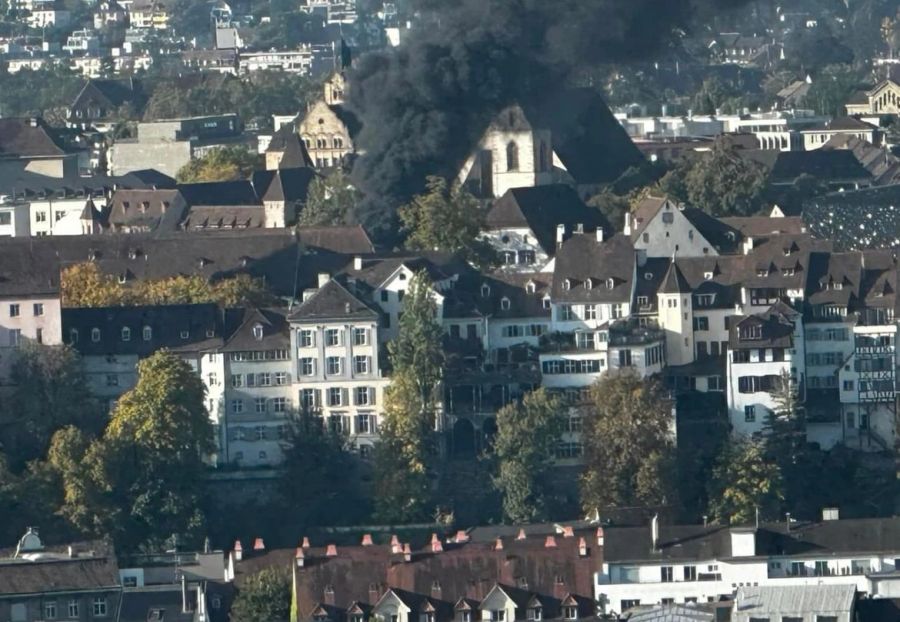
330,201
220,164
628,443
745,480
446,218
527,435
264,597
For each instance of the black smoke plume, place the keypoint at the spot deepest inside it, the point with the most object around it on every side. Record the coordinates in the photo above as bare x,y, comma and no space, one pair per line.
426,104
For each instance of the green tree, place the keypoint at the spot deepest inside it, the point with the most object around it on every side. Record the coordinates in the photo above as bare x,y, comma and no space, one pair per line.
527,435
142,480
263,597
745,480
446,218
49,391
220,164
722,183
330,201
404,455
831,89
629,451
317,465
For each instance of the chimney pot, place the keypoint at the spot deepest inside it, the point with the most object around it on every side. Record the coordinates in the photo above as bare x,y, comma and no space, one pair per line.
396,547
568,532
550,542
407,552
238,550
305,544
357,263
582,547
498,545
521,535
367,539
599,234
324,277
461,536
600,537
331,551
436,545
259,545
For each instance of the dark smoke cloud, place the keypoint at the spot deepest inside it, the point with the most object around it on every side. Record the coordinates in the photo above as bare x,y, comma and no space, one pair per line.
426,104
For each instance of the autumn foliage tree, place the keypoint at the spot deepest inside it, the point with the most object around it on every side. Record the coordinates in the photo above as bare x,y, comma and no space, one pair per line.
264,597
142,480
745,481
629,449
220,164
85,285
330,201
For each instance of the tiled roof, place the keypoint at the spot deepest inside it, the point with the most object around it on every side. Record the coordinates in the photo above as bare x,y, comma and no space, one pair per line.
241,335
589,266
333,300
29,138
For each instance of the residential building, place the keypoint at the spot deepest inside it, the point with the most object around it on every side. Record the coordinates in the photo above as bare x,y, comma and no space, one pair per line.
882,99
100,102
85,581
818,137
661,564
805,603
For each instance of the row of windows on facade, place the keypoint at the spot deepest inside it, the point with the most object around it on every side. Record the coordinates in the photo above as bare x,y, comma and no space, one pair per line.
41,216
311,399
511,258
334,365
18,612
339,423
571,313
652,356
37,309
332,337
322,142
761,355
512,157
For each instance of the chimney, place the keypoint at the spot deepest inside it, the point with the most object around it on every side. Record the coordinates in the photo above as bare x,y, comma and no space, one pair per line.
787,521
396,547
367,539
331,551
305,544
521,535
748,245
300,556
357,263
329,595
831,514
185,608
654,533
579,228
582,547
599,234
568,532
407,553
70,551
461,537
626,229
259,545
560,234
324,277
498,544
436,546
550,542
600,537
238,551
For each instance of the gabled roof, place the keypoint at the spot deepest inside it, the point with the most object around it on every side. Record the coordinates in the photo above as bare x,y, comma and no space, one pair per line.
332,300
349,240
823,164
109,93
542,209
283,184
588,266
154,210
777,600
29,138
220,193
241,334
287,141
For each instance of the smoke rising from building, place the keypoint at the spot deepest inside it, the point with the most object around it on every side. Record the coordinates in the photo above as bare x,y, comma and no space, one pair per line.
425,104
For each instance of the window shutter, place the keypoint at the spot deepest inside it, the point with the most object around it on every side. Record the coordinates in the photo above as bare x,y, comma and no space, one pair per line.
345,397
317,398
369,365
371,391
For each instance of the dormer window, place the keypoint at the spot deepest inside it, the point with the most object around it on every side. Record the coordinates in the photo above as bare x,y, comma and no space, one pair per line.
184,334
837,286
530,287
126,333
751,332
570,613
546,303
610,283
147,333
95,335
588,284
485,290
567,284
504,303
73,336
762,272
536,614
707,276
648,276
258,332
789,272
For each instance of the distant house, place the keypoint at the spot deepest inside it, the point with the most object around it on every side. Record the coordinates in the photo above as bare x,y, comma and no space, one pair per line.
818,137
29,145
99,103
136,211
287,150
883,98
328,128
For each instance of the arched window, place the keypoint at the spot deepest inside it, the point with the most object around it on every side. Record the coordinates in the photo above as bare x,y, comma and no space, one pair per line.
338,142
512,156
258,332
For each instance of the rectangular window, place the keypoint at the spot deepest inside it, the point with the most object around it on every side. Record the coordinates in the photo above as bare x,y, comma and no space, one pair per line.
112,380
332,337
666,574
237,381
616,311
701,323
361,364
590,312
566,314
99,607
280,378
73,608
15,336
279,404
690,573
307,339
360,336
50,610
307,367
264,379
237,406
251,380
13,310
38,309
365,424
260,405
309,399
363,396
335,396
333,365
749,414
